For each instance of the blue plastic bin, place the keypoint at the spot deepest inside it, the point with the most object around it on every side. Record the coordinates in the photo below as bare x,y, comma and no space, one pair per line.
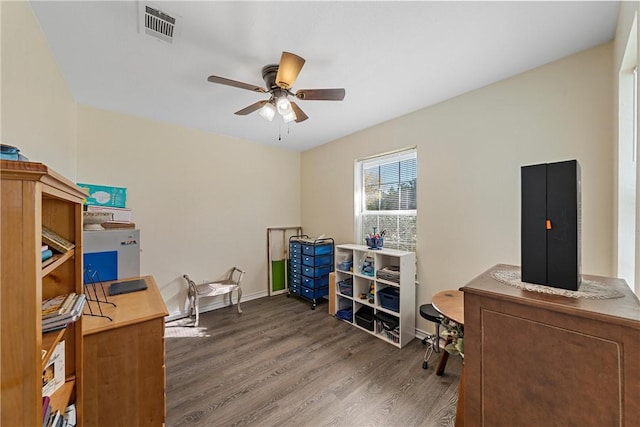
389,298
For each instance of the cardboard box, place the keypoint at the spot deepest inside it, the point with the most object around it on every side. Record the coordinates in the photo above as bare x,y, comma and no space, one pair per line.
117,214
103,195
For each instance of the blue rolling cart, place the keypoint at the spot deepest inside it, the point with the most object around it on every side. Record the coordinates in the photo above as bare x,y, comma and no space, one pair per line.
310,262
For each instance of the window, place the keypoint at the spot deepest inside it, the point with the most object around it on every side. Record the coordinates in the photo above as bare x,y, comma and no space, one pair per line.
386,198
628,255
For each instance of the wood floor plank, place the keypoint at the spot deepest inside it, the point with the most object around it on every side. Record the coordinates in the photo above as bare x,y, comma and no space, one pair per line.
282,364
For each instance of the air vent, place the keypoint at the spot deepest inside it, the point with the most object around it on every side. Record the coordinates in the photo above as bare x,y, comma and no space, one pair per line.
158,24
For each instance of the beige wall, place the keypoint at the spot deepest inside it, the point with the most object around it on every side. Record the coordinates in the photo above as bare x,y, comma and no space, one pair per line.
38,111
202,201
470,150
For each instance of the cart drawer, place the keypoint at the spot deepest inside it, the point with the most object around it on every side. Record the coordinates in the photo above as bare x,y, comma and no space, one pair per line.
314,293
316,271
318,282
317,249
315,261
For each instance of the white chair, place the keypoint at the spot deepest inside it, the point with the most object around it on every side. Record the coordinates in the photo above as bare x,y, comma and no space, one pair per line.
214,288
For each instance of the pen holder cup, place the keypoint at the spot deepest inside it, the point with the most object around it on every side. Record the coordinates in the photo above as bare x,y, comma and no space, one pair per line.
374,243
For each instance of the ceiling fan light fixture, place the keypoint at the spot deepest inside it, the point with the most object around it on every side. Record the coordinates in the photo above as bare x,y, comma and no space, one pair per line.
284,106
289,117
268,111
285,109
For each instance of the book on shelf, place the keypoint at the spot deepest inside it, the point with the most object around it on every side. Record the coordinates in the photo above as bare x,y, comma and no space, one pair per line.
58,305
56,420
62,320
45,247
55,241
47,254
46,410
70,415
53,373
50,260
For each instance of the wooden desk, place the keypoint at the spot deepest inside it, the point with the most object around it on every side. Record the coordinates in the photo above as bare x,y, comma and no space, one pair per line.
534,359
124,372
451,305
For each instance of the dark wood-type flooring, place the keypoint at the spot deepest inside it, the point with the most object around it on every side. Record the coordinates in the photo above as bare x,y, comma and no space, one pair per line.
282,364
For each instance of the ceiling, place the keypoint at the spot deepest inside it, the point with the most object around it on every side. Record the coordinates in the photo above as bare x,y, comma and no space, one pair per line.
391,57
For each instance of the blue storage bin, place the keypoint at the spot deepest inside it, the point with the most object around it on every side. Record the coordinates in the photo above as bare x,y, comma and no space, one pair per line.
314,261
295,248
389,298
317,249
345,314
314,293
316,283
346,287
316,271
345,265
294,289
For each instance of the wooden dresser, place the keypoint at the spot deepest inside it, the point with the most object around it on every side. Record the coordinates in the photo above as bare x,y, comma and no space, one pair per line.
533,359
124,369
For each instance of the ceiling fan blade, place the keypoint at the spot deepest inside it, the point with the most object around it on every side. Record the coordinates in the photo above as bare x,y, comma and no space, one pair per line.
321,94
300,115
251,108
229,82
288,70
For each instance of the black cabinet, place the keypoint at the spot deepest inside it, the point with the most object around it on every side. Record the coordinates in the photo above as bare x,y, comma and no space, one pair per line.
550,251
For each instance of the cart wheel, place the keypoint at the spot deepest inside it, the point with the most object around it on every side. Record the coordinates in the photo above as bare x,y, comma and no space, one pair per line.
424,341
288,295
424,365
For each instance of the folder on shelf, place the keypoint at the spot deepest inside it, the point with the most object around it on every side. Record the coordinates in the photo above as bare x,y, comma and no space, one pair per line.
56,242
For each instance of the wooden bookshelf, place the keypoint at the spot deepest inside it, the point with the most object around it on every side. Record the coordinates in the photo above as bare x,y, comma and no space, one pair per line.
34,196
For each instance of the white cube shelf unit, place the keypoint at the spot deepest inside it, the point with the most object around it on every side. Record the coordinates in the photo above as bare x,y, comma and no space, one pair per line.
388,270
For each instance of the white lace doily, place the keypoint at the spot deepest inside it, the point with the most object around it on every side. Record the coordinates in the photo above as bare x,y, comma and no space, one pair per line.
588,288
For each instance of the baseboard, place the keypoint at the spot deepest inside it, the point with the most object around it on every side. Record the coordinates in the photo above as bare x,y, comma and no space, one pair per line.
217,304
420,334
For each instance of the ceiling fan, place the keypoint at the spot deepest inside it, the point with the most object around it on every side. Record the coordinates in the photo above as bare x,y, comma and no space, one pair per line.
279,79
